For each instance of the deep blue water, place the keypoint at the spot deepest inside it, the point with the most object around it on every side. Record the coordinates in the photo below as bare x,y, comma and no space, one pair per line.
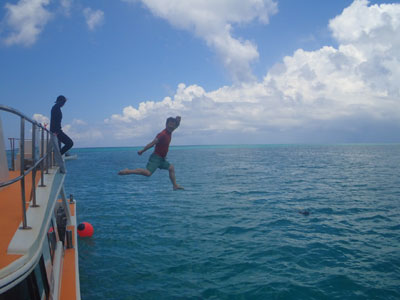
235,232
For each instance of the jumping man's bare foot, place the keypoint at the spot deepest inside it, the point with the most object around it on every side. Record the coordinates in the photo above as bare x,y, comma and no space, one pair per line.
124,172
178,187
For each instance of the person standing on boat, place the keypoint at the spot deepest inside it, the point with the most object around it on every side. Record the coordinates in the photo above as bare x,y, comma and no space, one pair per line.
55,125
158,158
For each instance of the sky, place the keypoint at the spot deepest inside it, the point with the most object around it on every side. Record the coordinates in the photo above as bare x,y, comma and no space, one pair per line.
237,71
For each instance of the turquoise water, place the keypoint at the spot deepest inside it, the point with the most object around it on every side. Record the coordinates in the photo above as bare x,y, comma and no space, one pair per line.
236,231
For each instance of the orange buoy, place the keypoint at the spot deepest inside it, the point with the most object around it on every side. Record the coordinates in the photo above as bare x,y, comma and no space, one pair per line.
85,229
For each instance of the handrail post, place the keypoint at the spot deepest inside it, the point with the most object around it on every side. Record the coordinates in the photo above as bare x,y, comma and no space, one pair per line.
33,163
52,152
41,157
22,167
12,145
47,152
64,201
13,154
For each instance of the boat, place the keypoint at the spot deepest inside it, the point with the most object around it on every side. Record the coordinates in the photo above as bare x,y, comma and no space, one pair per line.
38,235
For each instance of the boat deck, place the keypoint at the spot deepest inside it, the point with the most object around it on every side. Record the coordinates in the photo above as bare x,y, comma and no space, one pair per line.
11,214
10,221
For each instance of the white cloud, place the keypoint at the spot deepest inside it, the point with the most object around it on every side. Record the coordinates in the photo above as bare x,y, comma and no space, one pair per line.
45,121
310,95
67,6
78,122
94,18
213,21
82,133
26,20
359,22
374,32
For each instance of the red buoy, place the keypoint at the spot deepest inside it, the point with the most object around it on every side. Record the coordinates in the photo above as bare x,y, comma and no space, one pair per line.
85,229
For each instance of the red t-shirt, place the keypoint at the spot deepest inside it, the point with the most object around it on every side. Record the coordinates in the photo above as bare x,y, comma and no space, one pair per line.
164,138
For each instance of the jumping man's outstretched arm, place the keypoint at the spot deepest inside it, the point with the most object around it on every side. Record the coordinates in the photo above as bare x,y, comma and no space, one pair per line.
140,171
148,146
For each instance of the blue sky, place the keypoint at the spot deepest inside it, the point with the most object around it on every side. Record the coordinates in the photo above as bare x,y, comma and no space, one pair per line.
255,71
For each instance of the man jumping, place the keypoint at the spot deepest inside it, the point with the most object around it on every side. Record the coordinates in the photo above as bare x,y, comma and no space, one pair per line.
158,158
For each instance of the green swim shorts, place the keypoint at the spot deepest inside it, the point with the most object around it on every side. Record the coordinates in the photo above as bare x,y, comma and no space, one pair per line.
155,162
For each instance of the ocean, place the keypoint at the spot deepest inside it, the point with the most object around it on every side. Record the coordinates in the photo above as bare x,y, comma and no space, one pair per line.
254,222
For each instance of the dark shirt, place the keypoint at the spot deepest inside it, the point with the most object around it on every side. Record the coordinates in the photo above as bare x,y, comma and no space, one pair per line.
56,116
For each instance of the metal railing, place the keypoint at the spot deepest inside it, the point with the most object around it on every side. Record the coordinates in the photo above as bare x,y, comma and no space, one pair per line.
44,161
